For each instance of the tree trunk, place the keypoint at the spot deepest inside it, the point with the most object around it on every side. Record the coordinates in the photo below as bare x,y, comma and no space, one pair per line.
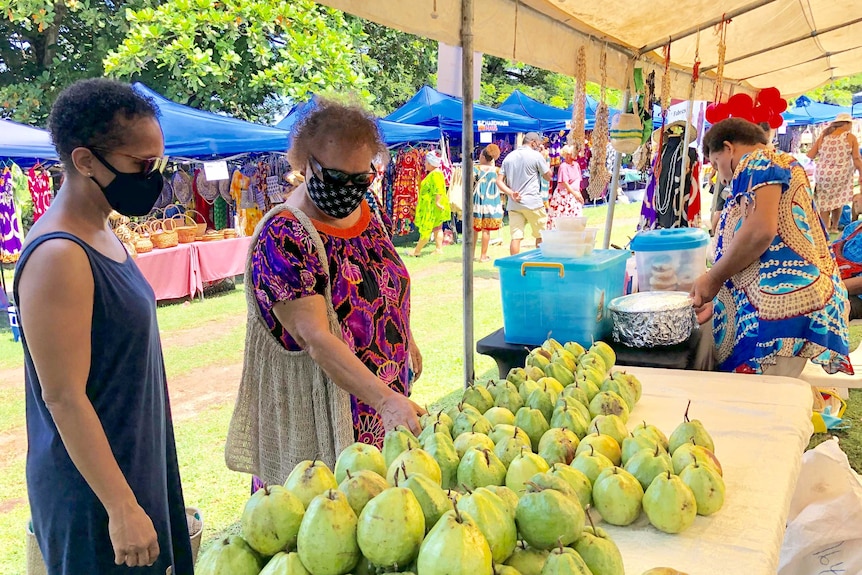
52,34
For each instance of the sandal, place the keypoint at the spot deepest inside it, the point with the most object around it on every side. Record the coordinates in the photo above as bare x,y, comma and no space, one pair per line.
486,259
412,255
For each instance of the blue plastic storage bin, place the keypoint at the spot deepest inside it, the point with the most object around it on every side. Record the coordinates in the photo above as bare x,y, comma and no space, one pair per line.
566,297
670,259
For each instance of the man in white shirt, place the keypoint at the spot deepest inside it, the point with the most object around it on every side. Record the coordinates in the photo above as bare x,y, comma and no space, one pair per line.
520,179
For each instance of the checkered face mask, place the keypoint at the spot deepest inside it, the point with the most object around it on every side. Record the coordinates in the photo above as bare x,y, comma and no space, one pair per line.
334,200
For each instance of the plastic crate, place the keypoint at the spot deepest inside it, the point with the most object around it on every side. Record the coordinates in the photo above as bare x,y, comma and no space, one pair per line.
566,297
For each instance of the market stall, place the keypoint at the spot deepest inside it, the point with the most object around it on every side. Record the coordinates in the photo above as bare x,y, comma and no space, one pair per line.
184,270
428,107
551,119
25,144
761,426
393,133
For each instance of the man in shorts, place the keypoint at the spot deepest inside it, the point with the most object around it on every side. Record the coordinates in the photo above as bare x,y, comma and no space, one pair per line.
520,179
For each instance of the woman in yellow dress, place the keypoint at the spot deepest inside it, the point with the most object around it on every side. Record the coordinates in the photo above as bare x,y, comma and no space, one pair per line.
432,208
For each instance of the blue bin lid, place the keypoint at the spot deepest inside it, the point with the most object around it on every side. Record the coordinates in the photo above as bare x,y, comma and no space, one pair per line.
669,239
597,261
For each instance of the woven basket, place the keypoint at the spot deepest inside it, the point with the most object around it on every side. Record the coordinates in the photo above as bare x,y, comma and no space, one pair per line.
201,227
230,233
161,237
36,563
212,236
186,228
141,239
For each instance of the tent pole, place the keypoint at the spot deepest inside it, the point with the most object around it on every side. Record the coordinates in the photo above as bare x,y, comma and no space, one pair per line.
467,235
615,179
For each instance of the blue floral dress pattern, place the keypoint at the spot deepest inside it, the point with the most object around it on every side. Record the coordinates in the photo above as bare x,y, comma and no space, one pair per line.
791,302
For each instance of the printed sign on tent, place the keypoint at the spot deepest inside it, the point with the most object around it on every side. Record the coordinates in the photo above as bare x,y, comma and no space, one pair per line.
216,171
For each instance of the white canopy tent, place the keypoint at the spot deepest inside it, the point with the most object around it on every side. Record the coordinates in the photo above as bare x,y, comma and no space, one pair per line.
793,45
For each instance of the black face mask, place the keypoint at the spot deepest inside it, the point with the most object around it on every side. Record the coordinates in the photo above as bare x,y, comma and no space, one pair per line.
131,194
334,200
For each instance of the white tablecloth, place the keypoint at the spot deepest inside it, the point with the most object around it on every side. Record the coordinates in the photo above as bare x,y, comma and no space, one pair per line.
760,426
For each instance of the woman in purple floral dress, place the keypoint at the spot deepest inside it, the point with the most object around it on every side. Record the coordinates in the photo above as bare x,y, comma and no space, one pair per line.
372,359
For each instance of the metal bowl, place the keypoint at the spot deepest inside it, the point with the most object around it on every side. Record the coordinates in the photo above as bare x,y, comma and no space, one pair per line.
653,318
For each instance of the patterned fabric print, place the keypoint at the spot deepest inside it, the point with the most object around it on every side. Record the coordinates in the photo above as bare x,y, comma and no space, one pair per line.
370,294
564,204
791,302
220,213
487,205
428,213
410,169
11,238
249,215
40,189
834,173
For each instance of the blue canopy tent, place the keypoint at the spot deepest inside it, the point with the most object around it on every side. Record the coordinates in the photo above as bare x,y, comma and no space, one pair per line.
393,132
551,119
190,132
806,111
429,107
25,144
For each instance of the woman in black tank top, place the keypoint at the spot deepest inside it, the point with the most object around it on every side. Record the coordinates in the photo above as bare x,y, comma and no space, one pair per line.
102,475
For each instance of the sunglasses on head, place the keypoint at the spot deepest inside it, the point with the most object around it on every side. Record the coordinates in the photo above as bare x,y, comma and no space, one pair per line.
148,165
339,178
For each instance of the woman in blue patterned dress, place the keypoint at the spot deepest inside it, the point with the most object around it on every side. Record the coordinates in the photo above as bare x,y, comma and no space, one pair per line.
774,294
487,205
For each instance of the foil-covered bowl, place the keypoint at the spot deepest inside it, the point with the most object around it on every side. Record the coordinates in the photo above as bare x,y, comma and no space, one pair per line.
653,318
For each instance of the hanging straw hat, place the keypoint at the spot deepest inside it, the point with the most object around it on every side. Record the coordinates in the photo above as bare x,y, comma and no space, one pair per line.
182,186
208,190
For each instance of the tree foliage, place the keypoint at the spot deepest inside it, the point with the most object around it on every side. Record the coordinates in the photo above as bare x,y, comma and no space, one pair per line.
243,57
397,63
500,77
839,92
46,45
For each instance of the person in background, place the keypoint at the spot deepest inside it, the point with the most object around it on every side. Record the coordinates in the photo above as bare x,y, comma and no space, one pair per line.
837,155
546,184
102,473
432,206
774,295
520,179
848,256
567,200
330,290
487,207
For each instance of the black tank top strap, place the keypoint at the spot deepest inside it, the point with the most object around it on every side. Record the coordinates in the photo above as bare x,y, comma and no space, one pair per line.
31,247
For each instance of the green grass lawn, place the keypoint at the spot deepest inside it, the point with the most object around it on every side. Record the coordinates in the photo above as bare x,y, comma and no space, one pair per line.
220,494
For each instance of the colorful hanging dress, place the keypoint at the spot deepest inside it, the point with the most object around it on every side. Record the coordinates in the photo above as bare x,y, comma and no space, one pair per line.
11,238
40,189
791,301
487,205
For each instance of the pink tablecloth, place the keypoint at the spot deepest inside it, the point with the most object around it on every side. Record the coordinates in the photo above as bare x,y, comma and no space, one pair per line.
221,259
182,271
171,272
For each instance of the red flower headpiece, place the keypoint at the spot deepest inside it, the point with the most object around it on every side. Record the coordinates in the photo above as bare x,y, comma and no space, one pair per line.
766,108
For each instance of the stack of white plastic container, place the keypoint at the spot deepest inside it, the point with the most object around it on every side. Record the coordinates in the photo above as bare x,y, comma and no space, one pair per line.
571,239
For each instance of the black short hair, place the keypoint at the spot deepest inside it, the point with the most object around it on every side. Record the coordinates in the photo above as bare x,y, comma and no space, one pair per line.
735,131
85,115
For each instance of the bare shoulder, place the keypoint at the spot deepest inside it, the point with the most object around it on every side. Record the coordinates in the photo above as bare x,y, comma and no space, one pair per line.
59,265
